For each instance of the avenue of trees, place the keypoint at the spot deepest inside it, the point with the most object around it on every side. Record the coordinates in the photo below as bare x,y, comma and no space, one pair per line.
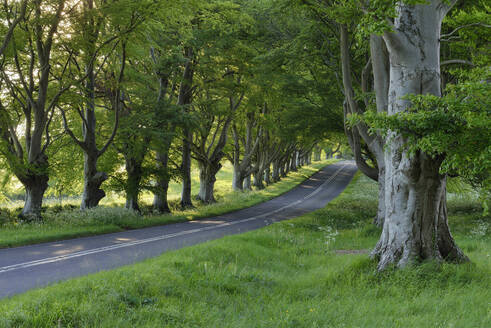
136,92
129,95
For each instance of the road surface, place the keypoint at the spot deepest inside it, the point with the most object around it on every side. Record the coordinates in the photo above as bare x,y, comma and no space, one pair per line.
28,267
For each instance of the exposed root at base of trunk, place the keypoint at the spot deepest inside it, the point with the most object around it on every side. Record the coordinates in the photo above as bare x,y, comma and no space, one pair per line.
405,255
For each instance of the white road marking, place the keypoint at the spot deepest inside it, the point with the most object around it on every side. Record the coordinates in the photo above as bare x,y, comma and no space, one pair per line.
163,237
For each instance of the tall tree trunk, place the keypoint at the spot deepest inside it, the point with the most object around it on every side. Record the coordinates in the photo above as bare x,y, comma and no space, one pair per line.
415,226
185,99
186,171
93,179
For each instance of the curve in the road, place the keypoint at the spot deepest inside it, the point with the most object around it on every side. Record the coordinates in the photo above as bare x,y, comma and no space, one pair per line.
28,267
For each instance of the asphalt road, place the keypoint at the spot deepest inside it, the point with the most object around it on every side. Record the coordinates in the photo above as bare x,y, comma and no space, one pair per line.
28,267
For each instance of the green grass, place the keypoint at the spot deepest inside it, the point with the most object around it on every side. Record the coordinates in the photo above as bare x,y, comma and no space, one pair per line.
60,224
290,274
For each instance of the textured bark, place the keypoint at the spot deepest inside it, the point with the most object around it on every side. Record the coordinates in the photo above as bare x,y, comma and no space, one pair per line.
415,226
35,186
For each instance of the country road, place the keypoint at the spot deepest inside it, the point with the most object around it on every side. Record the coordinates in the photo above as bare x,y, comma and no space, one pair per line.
28,267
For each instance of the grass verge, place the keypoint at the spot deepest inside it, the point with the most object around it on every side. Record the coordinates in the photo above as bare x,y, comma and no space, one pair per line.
66,224
290,274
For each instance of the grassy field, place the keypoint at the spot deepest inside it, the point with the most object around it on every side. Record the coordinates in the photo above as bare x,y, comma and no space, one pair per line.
307,272
64,224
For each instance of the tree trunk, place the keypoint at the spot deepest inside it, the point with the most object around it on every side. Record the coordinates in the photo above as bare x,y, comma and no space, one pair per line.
276,170
92,182
237,180
207,179
317,154
285,168
186,171
381,76
258,179
35,186
160,203
267,175
380,218
293,162
134,171
415,226
247,183
185,99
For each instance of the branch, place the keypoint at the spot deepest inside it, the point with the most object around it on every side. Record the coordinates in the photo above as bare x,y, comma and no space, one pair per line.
70,132
456,61
10,31
461,27
117,101
354,141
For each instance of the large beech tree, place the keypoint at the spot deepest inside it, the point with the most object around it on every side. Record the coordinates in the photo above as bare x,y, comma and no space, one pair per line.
416,224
